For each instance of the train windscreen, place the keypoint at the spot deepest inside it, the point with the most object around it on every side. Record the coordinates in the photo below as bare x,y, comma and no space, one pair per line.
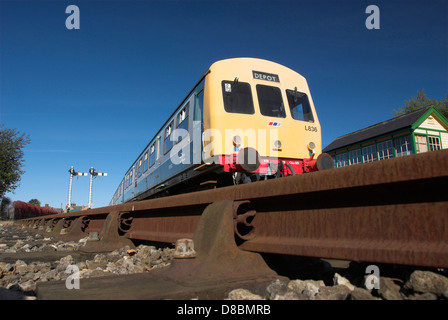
299,106
237,97
270,101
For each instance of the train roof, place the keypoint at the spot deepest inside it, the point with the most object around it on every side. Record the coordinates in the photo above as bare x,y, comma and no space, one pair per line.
250,64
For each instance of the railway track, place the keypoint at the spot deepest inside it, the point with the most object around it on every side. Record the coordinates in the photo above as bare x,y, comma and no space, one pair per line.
393,211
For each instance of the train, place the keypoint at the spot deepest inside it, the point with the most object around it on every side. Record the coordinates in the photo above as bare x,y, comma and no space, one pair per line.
22,210
245,120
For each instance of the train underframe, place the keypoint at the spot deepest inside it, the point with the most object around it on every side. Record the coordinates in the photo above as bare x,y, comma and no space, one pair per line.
265,168
238,168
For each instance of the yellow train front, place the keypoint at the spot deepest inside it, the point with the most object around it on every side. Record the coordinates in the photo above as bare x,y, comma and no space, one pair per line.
244,120
261,120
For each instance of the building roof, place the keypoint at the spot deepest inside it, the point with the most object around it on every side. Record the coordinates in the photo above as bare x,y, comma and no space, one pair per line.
385,127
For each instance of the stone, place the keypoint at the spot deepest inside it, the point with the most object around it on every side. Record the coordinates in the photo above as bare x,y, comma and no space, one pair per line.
67,260
340,280
28,286
93,236
167,254
47,248
145,251
361,294
43,267
92,265
21,267
299,285
389,290
100,258
123,251
424,296
276,288
427,281
310,291
5,268
184,249
11,278
155,254
339,292
83,241
243,294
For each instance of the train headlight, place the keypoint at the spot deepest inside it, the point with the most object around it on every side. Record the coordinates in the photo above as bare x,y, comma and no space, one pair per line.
237,141
277,144
311,146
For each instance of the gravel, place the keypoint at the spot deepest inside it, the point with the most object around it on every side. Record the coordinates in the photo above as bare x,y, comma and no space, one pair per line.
320,281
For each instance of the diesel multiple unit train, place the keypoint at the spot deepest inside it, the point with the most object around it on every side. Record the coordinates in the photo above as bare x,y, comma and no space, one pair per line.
245,120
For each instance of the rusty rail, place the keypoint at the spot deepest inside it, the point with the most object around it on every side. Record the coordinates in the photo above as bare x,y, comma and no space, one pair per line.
389,211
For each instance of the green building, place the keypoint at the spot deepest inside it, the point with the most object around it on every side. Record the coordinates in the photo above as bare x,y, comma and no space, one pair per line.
415,132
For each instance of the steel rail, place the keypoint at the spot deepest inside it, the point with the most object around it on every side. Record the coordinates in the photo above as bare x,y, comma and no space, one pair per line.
389,211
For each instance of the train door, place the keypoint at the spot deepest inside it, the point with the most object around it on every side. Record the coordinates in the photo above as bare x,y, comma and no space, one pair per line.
186,121
135,177
198,124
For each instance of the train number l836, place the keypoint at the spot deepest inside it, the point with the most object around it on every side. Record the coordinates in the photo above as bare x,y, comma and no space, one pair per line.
311,128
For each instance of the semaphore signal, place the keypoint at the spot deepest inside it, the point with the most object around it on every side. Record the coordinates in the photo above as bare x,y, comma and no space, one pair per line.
93,173
72,173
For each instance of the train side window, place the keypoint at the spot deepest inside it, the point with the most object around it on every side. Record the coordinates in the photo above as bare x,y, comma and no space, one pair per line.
152,155
299,105
182,119
145,162
270,101
168,142
140,167
237,97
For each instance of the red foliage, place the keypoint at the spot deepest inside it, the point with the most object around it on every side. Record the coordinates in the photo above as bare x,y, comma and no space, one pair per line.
23,210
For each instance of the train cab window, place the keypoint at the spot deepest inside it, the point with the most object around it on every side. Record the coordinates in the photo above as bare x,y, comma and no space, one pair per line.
299,105
152,155
270,101
168,142
182,119
237,97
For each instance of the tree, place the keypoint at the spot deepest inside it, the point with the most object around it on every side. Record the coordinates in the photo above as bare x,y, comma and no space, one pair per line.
11,158
4,206
34,202
422,101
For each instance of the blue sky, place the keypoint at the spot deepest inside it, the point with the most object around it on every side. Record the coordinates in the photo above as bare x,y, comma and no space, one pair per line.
95,96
